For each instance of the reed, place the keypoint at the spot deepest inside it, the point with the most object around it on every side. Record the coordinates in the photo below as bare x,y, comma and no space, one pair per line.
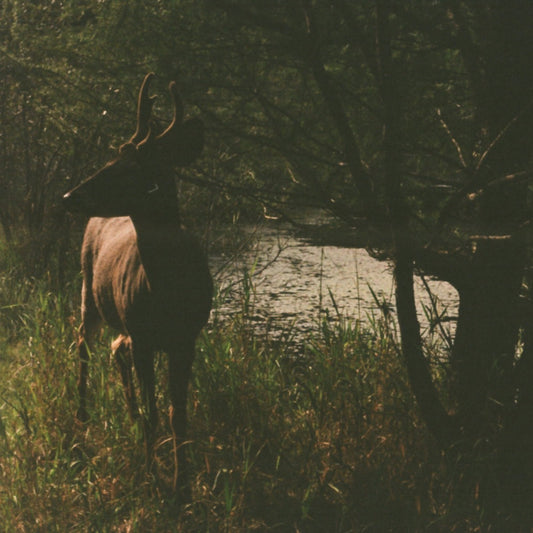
317,436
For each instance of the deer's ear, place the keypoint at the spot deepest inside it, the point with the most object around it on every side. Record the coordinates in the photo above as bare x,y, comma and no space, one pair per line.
191,141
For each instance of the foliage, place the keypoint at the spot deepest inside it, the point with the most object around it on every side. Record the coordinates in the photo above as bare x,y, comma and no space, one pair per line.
411,122
328,439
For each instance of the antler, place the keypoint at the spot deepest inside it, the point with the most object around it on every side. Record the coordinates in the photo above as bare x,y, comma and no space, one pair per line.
177,119
144,110
181,141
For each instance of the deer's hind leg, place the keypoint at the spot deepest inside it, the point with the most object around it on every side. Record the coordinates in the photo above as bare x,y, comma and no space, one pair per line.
122,351
90,322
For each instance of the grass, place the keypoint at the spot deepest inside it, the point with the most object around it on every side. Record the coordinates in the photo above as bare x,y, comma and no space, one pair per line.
322,436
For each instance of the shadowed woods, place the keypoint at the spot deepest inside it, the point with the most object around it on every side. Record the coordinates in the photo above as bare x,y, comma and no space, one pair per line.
411,126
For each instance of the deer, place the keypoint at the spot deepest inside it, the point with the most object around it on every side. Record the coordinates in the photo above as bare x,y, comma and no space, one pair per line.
144,275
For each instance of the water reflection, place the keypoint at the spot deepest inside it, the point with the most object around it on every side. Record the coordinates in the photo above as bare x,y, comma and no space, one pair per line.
295,283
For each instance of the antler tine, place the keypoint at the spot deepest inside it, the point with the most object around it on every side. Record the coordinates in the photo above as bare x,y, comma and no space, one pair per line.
144,110
178,108
178,104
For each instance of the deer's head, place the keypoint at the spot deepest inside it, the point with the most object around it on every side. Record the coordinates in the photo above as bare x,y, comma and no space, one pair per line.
140,179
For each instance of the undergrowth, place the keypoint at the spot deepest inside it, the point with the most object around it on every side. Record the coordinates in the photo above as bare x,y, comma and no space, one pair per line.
319,436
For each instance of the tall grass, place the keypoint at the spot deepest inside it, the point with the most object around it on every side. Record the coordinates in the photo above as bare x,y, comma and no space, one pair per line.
321,436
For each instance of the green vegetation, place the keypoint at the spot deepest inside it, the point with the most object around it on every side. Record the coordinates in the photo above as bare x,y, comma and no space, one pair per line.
326,439
411,124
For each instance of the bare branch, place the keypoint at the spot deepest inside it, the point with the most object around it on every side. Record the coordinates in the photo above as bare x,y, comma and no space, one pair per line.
452,138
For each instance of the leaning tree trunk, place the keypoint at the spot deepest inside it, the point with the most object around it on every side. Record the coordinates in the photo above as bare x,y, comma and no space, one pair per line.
431,408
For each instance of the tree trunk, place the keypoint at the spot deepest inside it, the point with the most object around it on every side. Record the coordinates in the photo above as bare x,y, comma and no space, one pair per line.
487,332
433,412
437,419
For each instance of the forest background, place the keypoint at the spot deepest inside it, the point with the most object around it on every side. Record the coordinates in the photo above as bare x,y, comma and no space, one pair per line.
409,122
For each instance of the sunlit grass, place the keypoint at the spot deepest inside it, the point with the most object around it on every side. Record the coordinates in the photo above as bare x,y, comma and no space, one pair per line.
321,435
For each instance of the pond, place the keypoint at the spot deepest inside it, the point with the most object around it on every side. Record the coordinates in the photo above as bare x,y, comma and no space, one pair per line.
292,283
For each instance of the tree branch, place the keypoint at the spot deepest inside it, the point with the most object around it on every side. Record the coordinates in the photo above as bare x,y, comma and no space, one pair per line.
350,147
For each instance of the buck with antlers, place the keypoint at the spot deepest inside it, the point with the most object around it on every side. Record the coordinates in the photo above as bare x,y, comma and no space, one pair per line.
143,274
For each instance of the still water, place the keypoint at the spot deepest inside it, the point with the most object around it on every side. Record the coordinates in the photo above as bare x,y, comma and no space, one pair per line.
294,283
